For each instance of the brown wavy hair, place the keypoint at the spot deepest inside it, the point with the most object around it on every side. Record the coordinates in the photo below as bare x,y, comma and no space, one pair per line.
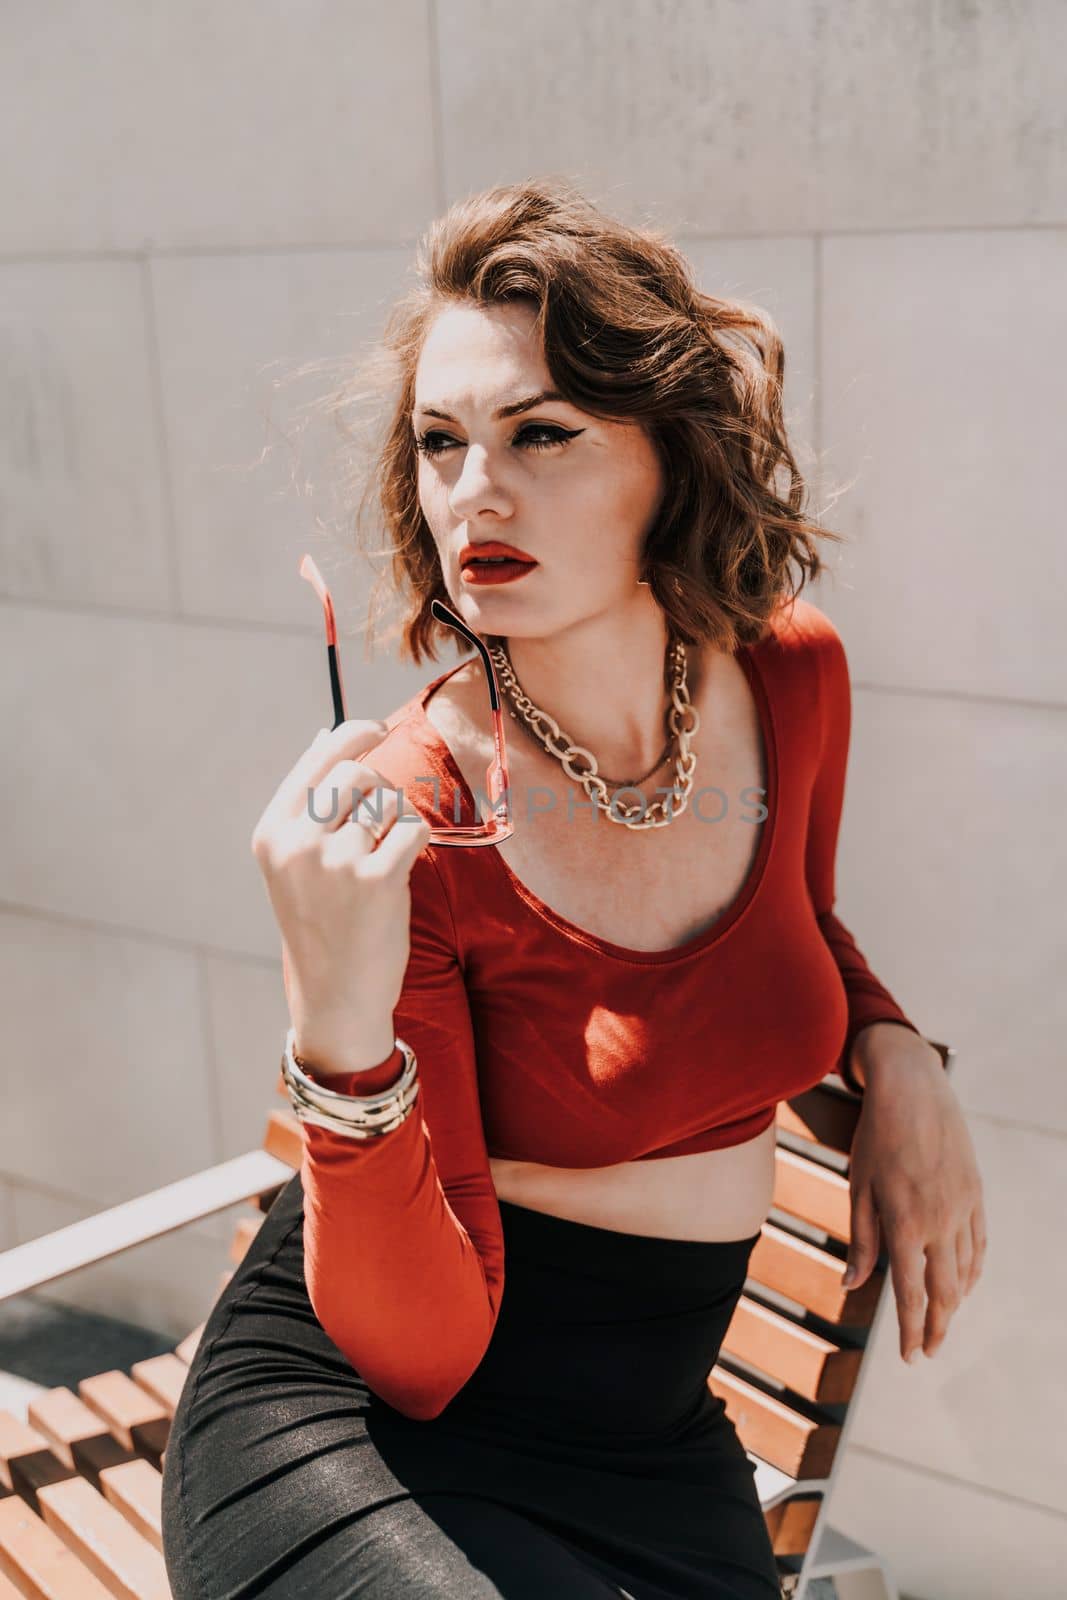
626,335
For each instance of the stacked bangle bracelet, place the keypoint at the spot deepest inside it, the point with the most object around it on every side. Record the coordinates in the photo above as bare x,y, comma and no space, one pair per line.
354,1116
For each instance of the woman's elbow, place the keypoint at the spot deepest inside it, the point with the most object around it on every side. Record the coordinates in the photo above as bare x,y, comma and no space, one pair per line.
418,1394
421,1405
403,1378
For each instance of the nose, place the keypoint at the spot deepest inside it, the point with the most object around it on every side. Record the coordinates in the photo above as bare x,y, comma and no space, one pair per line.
477,489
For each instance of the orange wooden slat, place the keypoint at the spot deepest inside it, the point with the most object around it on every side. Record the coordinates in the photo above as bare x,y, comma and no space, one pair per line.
136,1489
813,1192
136,1419
243,1234
163,1377
807,1363
791,1524
102,1539
188,1347
821,1117
284,1138
75,1433
772,1429
38,1562
8,1590
26,1461
812,1277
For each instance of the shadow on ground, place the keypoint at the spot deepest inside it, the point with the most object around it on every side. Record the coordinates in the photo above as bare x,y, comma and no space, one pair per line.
58,1345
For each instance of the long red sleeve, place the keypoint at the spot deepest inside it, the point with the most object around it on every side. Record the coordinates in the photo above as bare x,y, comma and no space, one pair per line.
868,1000
404,1252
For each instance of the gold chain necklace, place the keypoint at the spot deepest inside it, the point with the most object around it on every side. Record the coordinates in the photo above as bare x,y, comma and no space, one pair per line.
683,720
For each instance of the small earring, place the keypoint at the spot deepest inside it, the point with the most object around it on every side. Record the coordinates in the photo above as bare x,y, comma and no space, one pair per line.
645,582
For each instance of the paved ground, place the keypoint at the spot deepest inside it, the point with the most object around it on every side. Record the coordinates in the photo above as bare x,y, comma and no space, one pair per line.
43,1346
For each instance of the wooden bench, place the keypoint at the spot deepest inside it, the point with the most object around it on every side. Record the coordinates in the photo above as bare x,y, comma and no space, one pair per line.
80,1478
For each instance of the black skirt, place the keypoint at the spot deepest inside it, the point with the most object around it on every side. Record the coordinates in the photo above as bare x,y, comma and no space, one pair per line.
585,1456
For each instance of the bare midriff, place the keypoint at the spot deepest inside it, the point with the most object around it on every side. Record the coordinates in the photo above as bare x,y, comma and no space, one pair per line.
650,889
716,1194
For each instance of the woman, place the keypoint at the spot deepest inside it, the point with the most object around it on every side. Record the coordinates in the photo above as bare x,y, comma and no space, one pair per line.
467,1352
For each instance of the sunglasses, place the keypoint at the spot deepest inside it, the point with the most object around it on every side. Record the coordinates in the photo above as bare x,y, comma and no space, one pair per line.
497,789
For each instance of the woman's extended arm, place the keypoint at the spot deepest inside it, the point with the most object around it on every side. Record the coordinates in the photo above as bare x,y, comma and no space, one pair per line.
913,1179
404,1254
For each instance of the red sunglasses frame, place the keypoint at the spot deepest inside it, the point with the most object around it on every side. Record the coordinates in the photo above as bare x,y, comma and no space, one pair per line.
498,788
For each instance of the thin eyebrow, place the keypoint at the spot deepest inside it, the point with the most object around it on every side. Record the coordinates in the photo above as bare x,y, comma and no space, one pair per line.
512,410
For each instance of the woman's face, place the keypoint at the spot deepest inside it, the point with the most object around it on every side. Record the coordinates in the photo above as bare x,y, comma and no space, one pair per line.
575,493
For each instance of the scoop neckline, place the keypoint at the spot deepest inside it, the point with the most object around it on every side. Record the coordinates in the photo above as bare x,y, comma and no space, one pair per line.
737,908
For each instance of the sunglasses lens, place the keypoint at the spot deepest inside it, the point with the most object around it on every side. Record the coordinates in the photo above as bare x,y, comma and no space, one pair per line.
492,810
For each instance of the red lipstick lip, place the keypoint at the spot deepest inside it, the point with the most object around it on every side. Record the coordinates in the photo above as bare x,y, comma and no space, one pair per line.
492,548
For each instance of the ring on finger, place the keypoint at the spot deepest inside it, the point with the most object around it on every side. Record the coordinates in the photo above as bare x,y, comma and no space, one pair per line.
377,827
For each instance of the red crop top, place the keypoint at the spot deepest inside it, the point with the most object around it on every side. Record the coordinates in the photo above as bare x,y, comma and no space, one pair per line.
541,1042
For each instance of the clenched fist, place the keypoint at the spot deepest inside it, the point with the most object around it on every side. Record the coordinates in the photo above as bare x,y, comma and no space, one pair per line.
342,900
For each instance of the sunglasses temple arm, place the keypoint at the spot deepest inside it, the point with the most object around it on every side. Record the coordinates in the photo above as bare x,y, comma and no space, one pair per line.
310,572
336,686
496,779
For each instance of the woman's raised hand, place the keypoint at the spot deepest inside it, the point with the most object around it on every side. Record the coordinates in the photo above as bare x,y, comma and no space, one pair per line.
341,900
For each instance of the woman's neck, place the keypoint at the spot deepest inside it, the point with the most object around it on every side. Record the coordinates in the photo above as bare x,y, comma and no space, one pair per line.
604,684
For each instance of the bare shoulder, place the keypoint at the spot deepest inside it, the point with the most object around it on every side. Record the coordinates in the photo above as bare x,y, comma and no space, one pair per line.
459,710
